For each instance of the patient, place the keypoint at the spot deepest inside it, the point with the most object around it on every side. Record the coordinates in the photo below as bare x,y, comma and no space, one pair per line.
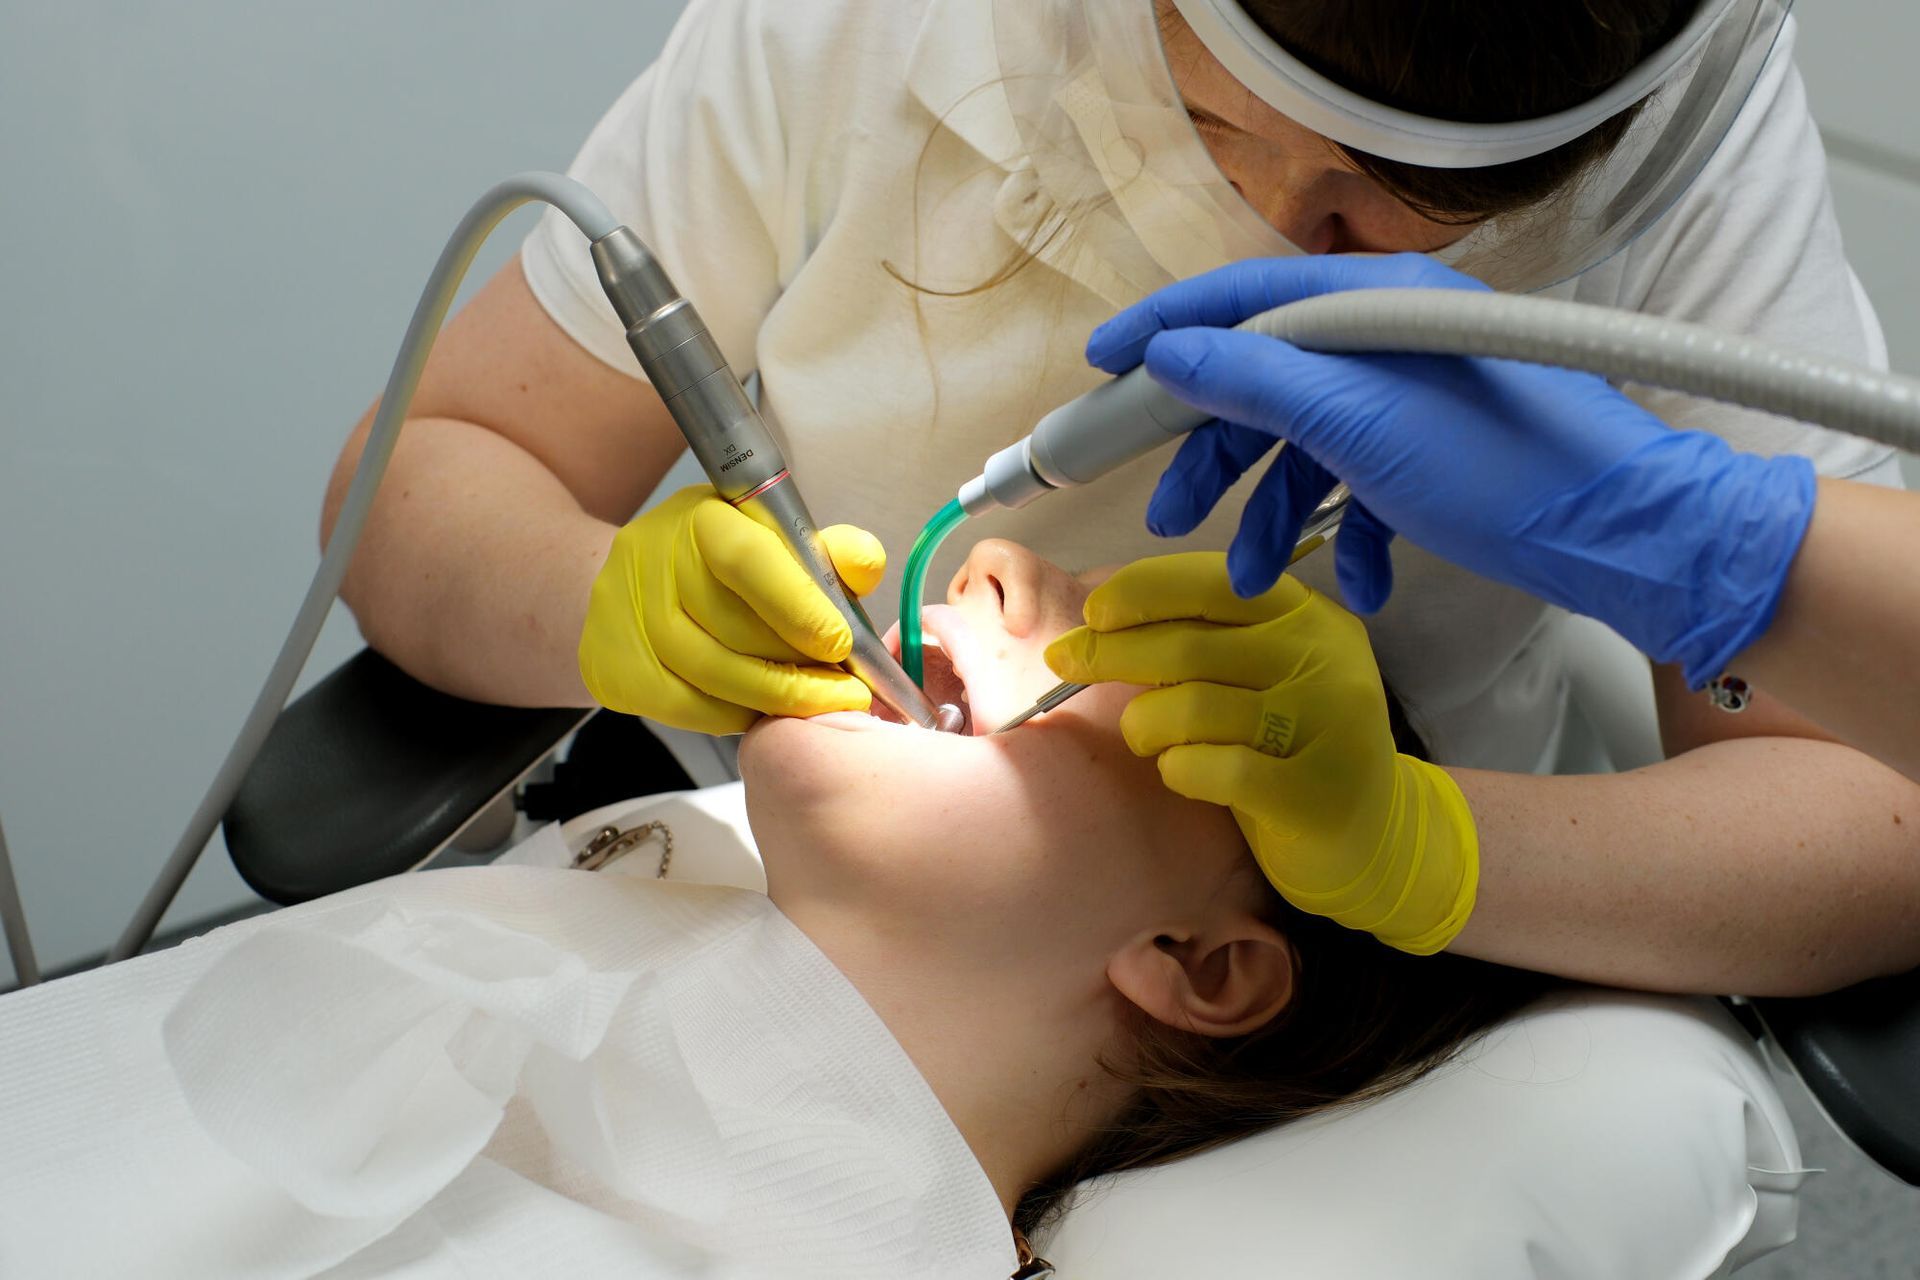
1089,970
597,1075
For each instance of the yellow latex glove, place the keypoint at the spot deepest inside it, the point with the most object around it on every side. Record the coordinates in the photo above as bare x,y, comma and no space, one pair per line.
702,619
1274,708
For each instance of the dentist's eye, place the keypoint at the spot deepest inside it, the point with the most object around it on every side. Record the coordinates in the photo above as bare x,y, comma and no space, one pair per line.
1209,124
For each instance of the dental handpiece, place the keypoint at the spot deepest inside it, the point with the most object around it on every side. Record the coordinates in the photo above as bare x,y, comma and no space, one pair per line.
739,454
1130,416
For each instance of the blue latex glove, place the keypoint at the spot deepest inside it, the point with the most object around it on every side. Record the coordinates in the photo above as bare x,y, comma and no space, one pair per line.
1548,480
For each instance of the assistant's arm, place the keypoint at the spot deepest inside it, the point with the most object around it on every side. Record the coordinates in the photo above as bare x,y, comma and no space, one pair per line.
1760,858
1844,647
1764,866
1771,863
521,458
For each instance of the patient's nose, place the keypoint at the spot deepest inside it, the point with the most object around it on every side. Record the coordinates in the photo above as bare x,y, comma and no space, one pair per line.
1001,575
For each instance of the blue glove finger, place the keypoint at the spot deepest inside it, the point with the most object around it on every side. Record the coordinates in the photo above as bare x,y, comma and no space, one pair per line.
1252,380
1208,463
1225,297
1361,563
1270,526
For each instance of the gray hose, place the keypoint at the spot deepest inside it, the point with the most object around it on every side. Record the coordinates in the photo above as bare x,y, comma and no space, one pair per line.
592,217
13,922
1132,415
1622,345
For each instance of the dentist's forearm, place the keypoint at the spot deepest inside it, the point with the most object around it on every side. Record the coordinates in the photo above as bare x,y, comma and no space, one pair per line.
476,565
1843,645
1764,866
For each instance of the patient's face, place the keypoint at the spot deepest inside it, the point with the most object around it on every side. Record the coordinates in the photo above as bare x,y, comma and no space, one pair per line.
1055,827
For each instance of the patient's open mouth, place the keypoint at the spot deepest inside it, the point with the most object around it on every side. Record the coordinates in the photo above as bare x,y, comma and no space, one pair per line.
947,658
940,677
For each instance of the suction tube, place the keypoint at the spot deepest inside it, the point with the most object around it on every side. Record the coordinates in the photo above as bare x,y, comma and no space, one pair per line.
1132,415
913,586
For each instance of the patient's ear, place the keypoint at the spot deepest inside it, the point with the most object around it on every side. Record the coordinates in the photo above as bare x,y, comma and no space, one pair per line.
1226,979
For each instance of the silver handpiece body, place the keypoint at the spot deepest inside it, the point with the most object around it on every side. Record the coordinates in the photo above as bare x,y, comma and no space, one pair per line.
738,453
1088,437
1132,415
1082,440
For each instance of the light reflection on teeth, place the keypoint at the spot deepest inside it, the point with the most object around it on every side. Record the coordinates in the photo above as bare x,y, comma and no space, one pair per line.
943,667
949,631
942,681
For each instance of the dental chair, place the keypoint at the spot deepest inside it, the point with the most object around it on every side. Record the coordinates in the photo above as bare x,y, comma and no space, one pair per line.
370,774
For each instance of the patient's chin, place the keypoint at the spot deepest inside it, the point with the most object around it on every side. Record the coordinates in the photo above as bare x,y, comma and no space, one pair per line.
764,750
796,760
797,756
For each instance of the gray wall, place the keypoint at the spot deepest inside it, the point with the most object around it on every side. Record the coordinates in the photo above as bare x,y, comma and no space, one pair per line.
215,219
1863,95
1855,1220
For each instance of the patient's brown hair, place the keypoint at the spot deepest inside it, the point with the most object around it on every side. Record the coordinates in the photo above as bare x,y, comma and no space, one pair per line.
1363,1021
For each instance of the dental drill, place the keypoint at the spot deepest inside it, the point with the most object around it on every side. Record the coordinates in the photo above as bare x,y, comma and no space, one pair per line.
738,453
721,426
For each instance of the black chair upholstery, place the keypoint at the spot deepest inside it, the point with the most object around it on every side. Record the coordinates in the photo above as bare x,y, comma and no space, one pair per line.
369,773
1858,1051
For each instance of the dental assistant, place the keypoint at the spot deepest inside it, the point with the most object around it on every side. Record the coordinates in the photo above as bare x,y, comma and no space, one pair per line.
906,217
1553,482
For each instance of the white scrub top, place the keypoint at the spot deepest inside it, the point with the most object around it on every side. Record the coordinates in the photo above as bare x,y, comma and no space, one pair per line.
788,160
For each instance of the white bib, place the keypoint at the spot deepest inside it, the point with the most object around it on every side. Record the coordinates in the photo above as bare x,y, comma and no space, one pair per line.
505,1070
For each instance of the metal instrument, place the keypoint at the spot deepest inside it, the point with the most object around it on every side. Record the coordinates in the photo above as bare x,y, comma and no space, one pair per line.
1314,534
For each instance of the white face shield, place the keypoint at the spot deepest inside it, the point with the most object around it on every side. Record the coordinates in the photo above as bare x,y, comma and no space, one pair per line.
1112,148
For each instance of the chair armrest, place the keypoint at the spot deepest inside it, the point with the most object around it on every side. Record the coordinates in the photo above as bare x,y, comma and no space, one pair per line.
369,773
1858,1052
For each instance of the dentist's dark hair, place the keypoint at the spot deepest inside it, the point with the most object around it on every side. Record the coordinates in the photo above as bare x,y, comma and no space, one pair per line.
1482,62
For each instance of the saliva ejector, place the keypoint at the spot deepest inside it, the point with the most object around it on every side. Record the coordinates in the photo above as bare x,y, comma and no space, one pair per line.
1130,416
